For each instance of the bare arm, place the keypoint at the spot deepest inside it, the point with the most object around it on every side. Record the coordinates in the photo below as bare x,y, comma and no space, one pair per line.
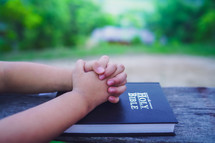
48,120
24,77
44,122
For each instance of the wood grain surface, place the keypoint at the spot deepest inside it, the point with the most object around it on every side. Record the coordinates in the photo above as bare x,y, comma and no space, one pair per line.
194,108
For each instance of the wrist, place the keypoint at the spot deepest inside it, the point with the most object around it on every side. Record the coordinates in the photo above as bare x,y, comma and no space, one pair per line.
86,103
67,80
74,102
70,83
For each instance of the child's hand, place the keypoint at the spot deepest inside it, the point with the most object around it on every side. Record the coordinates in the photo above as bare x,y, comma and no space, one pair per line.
115,74
98,66
87,85
116,82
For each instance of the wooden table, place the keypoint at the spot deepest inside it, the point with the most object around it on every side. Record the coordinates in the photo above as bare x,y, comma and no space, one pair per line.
194,108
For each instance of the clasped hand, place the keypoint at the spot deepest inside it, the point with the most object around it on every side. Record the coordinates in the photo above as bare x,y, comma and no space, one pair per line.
109,75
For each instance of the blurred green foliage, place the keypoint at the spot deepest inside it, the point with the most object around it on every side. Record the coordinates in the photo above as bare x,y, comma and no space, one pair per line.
205,50
183,20
37,24
33,24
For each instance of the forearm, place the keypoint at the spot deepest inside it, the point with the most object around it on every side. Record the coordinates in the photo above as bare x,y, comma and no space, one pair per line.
44,122
27,77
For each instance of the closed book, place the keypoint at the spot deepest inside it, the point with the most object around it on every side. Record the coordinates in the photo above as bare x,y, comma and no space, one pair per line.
142,109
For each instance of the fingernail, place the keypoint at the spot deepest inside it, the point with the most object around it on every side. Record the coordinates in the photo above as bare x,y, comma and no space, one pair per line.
110,82
100,69
110,90
101,77
111,98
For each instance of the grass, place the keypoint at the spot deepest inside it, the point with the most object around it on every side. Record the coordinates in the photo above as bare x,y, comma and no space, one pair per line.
110,49
57,142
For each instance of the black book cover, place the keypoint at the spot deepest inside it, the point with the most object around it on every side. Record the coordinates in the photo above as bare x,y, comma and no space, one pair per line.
141,103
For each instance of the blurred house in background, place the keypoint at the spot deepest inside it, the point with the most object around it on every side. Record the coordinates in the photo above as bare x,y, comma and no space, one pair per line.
121,35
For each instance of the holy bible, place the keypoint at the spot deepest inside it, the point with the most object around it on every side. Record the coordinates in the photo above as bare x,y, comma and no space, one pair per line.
142,109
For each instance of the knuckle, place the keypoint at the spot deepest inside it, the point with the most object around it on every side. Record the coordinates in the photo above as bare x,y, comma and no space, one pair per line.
122,66
107,74
96,63
111,69
121,89
105,57
113,66
125,87
123,82
117,91
126,75
117,80
79,60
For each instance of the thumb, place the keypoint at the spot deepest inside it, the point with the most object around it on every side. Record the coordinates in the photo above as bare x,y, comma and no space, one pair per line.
79,67
97,67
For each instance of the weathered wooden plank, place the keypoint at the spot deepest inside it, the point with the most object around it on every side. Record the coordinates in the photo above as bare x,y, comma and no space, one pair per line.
193,107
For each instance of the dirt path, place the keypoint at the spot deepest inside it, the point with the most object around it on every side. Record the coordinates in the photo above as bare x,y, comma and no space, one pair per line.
169,70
